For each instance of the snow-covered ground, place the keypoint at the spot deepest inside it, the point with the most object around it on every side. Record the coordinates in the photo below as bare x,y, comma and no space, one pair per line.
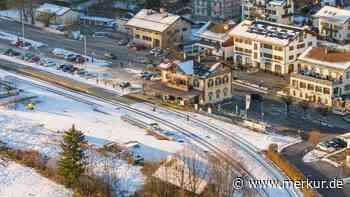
104,121
20,181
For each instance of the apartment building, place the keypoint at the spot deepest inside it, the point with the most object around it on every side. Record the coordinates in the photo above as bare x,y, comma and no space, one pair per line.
216,9
214,39
270,46
158,29
322,76
279,11
333,24
192,82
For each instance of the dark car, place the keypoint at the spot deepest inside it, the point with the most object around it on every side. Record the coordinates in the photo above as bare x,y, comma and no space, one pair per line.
110,56
80,59
124,84
123,42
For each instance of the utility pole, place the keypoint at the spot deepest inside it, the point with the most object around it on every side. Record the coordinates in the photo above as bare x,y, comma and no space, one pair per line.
84,45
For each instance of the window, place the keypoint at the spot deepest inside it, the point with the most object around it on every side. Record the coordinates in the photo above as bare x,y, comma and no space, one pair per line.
255,46
267,55
267,46
278,48
217,81
302,85
309,44
318,89
299,46
276,57
210,83
291,57
295,83
225,92
196,83
347,87
291,48
310,87
137,36
225,79
255,55
218,92
210,95
326,90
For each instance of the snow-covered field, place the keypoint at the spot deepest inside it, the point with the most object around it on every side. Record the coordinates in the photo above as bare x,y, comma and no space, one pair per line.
58,113
20,181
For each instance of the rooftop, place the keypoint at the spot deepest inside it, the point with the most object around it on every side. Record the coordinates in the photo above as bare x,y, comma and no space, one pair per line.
53,9
216,31
268,32
333,14
327,57
153,20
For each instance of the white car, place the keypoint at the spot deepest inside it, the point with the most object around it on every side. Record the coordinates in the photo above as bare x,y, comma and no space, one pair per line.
340,111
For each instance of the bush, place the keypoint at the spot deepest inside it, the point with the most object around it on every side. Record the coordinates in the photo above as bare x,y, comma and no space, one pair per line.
290,170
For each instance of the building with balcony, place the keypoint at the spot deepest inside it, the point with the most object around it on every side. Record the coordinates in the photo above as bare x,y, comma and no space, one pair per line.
279,11
333,24
270,46
214,39
158,29
192,82
216,9
322,77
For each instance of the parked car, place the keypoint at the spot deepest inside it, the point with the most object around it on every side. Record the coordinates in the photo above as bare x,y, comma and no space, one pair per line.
70,57
123,42
35,59
131,44
340,111
101,34
27,56
124,84
48,62
156,77
80,59
11,52
110,56
156,51
146,75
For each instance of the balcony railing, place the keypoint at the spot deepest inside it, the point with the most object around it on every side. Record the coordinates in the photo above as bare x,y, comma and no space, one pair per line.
316,78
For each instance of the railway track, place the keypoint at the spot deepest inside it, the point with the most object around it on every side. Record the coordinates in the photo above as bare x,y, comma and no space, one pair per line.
78,96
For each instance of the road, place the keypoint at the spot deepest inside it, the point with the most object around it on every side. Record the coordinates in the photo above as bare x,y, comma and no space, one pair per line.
98,46
314,171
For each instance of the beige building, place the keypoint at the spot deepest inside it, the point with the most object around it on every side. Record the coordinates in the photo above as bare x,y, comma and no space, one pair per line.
322,76
159,29
57,15
333,24
191,82
279,11
270,46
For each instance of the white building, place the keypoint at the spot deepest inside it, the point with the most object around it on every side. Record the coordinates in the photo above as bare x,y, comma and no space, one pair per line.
280,11
159,29
322,77
58,15
333,24
270,46
215,39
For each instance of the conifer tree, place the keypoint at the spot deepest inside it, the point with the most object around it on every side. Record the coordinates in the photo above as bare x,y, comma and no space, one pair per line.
72,163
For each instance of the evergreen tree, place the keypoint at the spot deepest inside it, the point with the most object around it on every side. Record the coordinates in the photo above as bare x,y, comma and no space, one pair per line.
153,4
72,163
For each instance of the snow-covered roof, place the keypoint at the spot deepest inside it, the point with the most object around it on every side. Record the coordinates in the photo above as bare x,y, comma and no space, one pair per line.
267,32
53,9
327,58
97,18
153,20
187,67
333,14
277,2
